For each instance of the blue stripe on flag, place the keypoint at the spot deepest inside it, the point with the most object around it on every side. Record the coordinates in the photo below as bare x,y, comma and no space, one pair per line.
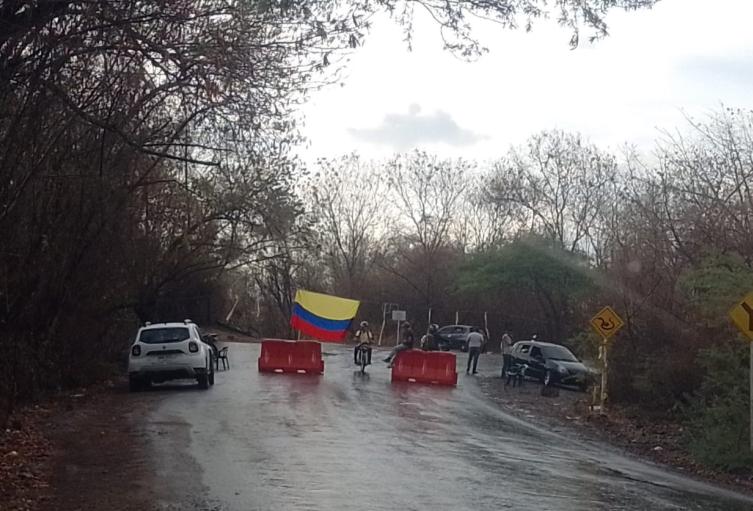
325,324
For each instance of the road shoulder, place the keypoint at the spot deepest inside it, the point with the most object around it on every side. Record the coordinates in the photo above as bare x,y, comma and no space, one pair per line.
639,436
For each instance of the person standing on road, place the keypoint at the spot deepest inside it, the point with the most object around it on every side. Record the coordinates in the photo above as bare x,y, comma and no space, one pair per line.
408,340
475,340
506,353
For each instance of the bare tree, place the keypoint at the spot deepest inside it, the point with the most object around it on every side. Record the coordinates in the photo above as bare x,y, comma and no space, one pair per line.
428,192
348,198
484,223
560,182
706,179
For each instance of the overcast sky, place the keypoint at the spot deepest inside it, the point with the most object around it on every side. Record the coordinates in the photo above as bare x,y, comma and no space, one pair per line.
684,56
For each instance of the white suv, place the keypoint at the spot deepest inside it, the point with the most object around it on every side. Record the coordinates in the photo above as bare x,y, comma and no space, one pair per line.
169,351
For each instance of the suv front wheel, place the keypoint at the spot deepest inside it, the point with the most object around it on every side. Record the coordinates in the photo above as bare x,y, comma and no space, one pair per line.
136,384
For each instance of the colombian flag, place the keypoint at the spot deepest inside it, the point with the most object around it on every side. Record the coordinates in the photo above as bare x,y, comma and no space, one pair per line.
321,316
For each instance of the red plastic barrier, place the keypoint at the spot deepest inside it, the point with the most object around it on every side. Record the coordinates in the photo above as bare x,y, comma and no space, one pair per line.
434,367
308,357
278,356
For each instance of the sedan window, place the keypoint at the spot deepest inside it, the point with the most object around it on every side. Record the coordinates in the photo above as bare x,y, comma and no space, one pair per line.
559,353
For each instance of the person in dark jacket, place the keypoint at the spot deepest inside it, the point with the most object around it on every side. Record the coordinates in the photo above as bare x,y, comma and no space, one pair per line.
408,339
429,341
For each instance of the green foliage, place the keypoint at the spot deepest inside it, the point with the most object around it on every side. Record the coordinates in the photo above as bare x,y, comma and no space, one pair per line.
715,285
585,345
534,270
529,264
717,417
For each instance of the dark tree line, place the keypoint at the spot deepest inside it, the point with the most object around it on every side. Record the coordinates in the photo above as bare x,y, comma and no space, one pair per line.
144,152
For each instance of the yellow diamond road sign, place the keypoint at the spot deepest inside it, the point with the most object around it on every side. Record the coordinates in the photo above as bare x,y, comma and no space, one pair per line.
742,316
607,322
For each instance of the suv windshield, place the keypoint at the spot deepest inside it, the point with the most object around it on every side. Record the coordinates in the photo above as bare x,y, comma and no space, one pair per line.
558,353
160,335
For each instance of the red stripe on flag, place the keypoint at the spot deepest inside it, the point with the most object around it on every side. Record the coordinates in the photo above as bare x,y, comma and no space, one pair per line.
317,333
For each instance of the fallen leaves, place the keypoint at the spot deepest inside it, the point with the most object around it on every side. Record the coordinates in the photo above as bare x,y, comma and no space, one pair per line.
24,461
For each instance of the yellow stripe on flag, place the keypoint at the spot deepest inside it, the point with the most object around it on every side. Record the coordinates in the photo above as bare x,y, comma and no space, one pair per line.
327,306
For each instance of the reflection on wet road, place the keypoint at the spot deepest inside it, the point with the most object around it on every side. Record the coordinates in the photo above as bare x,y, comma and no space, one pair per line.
346,440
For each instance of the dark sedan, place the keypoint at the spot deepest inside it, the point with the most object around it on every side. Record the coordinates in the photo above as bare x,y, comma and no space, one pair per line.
552,363
455,337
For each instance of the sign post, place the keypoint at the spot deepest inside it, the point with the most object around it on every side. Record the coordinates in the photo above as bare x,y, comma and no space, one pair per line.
398,316
386,307
606,323
742,316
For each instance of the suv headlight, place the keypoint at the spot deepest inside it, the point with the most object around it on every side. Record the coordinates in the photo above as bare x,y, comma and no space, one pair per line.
562,370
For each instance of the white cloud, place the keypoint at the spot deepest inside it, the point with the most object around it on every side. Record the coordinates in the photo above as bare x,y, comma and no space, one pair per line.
682,56
406,131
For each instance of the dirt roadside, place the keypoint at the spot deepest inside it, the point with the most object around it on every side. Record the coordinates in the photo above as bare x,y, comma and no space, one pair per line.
25,464
638,436
83,450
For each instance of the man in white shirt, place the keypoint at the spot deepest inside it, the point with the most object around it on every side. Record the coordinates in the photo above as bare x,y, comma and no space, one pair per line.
506,353
475,340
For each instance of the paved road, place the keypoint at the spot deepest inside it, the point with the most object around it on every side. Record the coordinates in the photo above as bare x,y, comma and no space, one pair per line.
347,441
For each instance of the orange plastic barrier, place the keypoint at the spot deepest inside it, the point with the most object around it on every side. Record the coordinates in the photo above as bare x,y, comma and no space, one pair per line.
418,366
278,356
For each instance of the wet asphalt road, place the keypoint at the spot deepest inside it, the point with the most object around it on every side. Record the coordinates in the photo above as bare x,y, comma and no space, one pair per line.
351,441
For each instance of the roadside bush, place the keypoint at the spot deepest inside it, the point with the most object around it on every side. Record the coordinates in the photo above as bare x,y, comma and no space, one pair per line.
586,346
717,417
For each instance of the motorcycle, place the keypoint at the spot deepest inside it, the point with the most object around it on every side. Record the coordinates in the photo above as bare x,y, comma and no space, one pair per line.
362,357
